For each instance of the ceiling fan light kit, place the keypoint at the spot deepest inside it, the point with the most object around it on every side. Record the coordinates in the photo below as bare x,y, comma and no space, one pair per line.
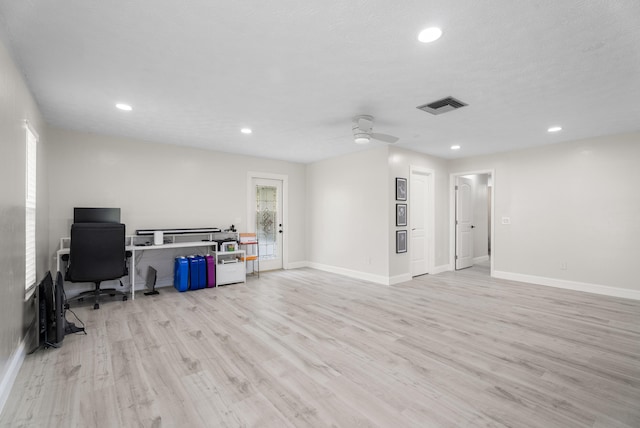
362,126
361,139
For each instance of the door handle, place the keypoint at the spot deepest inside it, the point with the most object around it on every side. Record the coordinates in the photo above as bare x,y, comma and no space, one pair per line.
473,227
280,231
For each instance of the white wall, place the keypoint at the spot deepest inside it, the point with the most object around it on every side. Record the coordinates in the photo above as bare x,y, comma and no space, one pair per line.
161,185
16,106
399,163
348,200
572,205
351,208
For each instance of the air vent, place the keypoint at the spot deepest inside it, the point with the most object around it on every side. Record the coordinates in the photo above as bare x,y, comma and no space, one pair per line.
442,106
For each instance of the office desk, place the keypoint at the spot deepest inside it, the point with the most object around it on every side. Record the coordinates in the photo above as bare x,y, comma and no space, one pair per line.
140,248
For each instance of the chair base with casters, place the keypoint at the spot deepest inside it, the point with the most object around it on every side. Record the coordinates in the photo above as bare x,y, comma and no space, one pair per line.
96,293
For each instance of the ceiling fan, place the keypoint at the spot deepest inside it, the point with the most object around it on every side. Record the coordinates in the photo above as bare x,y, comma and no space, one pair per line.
362,134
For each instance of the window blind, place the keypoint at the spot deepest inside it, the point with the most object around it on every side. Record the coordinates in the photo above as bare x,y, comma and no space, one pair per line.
30,211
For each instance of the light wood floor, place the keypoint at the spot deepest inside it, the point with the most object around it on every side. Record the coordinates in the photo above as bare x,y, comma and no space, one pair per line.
304,348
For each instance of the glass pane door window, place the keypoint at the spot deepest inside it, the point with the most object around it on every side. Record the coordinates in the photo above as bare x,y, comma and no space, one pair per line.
267,221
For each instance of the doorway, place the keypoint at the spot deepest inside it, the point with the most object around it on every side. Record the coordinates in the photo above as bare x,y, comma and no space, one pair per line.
266,214
471,219
421,220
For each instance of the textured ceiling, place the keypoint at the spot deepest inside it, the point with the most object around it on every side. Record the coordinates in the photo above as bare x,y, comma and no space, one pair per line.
296,72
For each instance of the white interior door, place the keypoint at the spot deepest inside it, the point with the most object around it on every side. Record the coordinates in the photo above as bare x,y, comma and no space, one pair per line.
418,220
268,218
464,223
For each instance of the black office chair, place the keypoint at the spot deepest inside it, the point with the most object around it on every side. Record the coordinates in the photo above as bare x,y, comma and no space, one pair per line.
97,254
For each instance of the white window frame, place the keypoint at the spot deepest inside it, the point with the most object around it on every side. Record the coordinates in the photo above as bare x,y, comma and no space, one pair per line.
30,206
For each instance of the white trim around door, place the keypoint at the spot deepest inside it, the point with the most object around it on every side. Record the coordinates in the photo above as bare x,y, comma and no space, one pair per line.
428,203
251,175
452,215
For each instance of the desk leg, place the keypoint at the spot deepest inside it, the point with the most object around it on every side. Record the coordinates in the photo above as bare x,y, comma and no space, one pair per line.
132,275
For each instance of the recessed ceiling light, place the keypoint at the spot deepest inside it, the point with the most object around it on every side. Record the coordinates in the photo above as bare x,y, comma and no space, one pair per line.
430,34
246,130
125,107
555,129
455,147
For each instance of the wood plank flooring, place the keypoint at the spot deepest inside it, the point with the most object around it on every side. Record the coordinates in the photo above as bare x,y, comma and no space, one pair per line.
304,348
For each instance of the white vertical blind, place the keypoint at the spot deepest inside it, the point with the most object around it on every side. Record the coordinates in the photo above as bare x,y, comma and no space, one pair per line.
30,211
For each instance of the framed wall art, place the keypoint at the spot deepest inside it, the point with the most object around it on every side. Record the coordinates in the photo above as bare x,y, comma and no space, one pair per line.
401,241
401,189
401,214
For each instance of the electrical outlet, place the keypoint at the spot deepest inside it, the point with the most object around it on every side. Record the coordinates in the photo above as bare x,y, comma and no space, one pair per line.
506,220
563,266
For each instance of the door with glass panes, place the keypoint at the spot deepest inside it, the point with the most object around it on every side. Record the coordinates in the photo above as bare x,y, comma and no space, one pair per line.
268,221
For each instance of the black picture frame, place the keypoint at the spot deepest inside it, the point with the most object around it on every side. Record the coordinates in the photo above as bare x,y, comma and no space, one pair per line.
401,241
401,214
401,189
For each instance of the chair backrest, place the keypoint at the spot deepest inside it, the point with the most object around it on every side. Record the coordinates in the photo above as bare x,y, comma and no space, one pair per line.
97,252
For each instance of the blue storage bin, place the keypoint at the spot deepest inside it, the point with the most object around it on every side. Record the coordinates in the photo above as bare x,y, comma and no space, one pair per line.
194,280
202,272
181,274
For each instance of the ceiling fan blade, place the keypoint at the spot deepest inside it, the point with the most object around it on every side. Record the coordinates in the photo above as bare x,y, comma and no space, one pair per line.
385,138
365,124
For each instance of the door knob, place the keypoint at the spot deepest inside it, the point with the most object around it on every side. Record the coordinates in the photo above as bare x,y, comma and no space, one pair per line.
472,227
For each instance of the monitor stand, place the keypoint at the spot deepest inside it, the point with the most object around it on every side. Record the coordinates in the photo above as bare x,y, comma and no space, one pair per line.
70,328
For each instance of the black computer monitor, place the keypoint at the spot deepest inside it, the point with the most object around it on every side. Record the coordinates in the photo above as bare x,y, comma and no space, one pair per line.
60,320
152,275
50,314
53,324
45,307
96,215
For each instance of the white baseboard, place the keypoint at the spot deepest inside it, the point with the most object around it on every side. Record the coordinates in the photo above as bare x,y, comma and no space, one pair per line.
397,279
439,269
481,259
297,265
378,279
570,285
10,373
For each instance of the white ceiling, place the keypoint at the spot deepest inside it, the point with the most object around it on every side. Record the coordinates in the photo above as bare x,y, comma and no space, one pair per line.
296,72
